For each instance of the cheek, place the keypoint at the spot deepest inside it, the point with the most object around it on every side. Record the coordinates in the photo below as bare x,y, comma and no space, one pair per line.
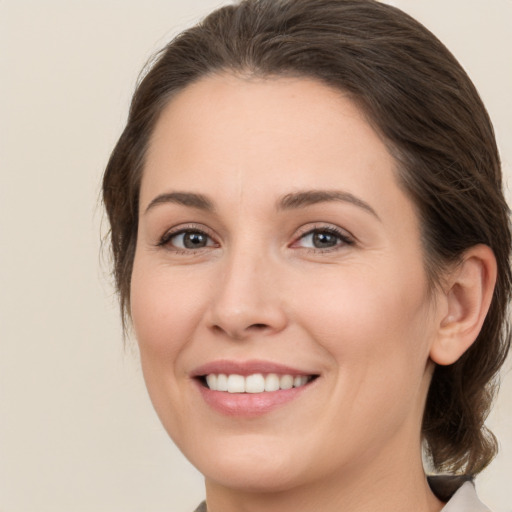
371,321
377,338
165,307
165,311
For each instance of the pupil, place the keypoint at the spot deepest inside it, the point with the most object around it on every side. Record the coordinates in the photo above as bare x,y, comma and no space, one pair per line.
322,240
194,240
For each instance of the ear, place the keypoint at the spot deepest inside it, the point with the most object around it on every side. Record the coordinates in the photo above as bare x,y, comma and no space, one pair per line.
467,295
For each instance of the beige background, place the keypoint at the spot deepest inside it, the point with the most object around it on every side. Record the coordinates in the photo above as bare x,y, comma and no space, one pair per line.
77,432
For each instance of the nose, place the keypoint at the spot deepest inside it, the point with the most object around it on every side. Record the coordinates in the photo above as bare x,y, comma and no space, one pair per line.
247,299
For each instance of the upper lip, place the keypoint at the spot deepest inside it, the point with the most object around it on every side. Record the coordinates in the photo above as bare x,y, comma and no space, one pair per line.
245,368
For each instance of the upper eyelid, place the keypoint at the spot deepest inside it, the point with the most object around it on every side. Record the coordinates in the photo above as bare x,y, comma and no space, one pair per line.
309,228
346,239
180,228
184,228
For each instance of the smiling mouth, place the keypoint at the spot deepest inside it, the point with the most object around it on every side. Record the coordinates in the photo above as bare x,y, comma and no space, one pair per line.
254,383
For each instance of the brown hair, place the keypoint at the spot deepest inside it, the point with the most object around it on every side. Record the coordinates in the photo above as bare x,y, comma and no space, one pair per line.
420,100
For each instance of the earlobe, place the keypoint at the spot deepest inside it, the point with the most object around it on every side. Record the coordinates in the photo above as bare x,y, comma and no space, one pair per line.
468,295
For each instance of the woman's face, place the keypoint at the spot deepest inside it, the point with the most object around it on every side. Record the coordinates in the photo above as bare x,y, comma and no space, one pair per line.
276,249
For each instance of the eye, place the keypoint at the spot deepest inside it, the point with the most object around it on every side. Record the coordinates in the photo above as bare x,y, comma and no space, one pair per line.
187,239
323,238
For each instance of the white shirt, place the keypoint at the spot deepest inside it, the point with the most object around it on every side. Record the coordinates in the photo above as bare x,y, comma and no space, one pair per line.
465,500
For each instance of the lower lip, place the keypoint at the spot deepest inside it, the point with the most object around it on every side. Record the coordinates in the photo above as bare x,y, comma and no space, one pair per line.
249,404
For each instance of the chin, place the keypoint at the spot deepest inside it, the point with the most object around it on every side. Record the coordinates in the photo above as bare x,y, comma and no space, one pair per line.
251,468
246,477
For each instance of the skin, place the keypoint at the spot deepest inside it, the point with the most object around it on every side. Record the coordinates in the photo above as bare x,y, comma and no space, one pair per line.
358,314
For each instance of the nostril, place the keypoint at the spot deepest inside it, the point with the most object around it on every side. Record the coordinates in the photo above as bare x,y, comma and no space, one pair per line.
218,328
258,326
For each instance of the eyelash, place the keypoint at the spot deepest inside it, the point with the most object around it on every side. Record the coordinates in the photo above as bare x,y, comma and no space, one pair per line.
169,235
344,239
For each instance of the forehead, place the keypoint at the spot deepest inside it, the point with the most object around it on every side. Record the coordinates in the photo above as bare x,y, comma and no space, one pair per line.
239,136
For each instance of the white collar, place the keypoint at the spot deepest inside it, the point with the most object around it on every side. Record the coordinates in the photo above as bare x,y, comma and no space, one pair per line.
465,500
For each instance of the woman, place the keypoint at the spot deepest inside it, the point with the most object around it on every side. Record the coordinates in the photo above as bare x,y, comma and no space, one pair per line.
311,242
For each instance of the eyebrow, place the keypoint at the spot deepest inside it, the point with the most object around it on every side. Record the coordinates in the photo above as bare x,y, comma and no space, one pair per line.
190,199
288,202
312,197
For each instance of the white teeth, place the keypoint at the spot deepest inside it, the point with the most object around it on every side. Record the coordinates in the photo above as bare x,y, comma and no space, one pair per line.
299,381
271,382
211,380
222,382
236,384
286,382
255,383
